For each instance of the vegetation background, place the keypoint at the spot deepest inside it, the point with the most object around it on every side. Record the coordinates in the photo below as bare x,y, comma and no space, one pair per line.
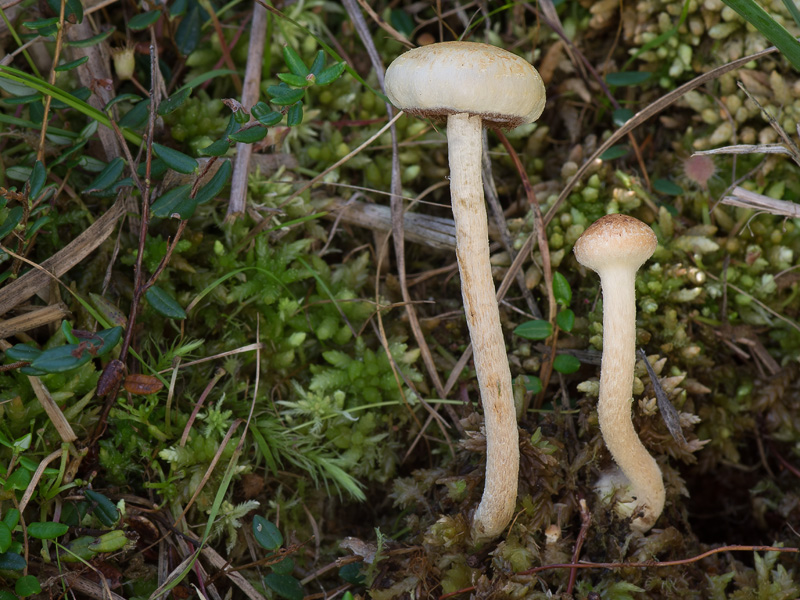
232,370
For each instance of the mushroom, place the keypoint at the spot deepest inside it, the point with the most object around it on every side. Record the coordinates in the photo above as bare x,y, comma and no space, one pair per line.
615,246
472,83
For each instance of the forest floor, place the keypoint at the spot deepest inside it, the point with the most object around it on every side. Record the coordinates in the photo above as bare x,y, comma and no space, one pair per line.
232,370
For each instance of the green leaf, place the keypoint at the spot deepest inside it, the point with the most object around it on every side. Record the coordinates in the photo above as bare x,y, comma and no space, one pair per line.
61,359
294,80
72,64
104,508
175,202
214,186
565,319
615,152
295,115
284,567
265,115
73,11
66,329
401,21
47,530
178,8
285,586
621,116
91,41
37,225
283,95
18,480
42,25
110,337
164,304
294,62
37,180
11,518
665,186
776,33
249,135
122,98
218,148
5,537
566,364
267,535
12,220
144,20
187,37
136,116
561,289
318,64
351,573
533,384
23,352
331,74
534,330
174,102
108,176
623,78
175,159
10,561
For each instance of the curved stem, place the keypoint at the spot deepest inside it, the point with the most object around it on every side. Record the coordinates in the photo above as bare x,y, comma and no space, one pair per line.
483,319
614,405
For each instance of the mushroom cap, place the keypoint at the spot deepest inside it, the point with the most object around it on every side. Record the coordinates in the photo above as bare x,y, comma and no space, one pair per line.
466,77
615,239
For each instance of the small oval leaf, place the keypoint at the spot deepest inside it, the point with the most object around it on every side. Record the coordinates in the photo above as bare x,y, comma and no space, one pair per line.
285,586
266,534
665,186
561,289
104,509
533,384
627,78
47,530
534,330
249,135
164,304
174,102
175,201
175,159
214,186
566,364
74,64
108,176
144,20
294,62
614,152
5,537
10,561
565,319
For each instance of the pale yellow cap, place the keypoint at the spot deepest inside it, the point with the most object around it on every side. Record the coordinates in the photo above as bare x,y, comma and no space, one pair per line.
466,77
615,239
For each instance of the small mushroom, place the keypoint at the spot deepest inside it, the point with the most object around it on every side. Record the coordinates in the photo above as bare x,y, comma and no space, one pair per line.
615,246
469,84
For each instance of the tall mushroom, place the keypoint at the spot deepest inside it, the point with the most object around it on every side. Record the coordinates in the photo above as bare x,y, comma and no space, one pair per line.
471,83
615,246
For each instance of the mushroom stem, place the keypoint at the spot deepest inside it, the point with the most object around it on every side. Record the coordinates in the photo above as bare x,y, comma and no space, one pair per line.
483,319
614,405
